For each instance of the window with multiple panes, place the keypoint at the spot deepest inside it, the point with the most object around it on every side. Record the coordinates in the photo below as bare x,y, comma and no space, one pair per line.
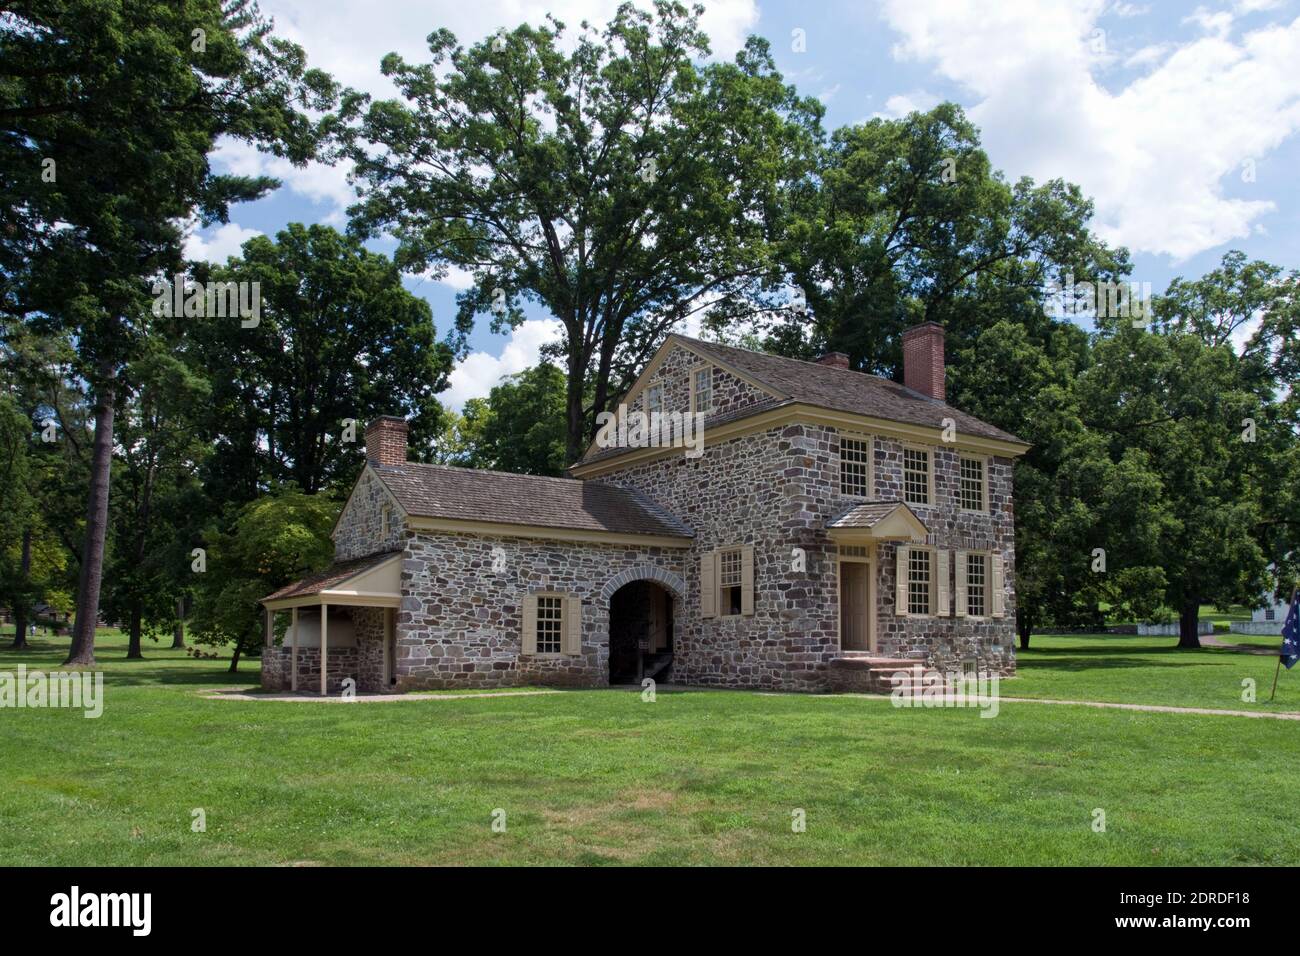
852,551
971,491
730,578
855,467
703,385
1270,614
385,520
550,625
918,581
654,399
916,476
977,576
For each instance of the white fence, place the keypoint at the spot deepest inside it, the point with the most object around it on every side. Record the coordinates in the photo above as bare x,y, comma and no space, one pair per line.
1171,630
1257,627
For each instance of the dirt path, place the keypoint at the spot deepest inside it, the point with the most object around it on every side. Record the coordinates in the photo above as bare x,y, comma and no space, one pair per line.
1209,640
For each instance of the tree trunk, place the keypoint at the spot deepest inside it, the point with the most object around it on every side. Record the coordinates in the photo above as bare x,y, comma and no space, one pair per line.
234,660
133,652
178,633
576,427
21,593
82,650
1024,630
1187,621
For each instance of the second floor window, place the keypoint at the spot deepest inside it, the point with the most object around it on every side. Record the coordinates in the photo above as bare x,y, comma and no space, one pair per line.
971,492
916,476
702,389
855,464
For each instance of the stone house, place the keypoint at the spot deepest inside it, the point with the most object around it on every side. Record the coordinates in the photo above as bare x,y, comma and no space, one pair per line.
824,528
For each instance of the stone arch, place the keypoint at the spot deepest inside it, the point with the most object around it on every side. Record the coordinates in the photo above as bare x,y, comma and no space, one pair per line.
644,572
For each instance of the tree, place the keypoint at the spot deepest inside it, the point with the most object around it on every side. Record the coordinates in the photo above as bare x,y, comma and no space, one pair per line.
620,185
1171,404
906,221
521,425
272,541
1087,527
338,338
158,453
107,115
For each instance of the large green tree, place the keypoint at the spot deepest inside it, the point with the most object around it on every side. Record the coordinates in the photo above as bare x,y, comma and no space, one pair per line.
907,221
108,112
338,338
616,180
519,427
270,542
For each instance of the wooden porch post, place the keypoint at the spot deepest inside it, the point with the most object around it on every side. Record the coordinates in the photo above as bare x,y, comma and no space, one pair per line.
293,654
324,643
268,628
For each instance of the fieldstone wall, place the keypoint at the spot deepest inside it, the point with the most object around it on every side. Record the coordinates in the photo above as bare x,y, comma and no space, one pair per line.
276,669
461,620
750,490
368,623
943,642
359,531
730,393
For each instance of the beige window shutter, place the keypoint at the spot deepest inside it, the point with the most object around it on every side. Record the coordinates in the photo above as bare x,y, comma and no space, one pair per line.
747,579
708,584
573,624
530,624
941,583
900,581
999,585
962,592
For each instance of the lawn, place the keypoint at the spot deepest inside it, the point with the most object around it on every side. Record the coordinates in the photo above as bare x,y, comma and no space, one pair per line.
695,777
1151,670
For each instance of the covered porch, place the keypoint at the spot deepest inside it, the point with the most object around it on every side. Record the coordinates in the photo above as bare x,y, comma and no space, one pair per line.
334,627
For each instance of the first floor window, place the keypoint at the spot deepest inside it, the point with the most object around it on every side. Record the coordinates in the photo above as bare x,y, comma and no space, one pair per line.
1270,614
855,463
730,581
918,581
977,584
550,624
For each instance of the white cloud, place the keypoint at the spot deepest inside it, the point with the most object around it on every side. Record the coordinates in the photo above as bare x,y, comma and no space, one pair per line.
323,185
220,243
475,376
349,44
1154,154
899,105
1216,22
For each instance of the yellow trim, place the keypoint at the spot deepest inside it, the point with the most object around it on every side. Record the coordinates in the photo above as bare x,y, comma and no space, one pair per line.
504,529
984,484
901,524
335,598
808,415
872,598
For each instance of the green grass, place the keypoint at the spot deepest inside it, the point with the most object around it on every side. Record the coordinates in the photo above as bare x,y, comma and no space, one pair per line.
1151,670
695,777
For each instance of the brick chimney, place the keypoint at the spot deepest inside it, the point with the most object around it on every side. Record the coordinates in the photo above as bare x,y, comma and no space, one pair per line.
834,360
386,440
923,359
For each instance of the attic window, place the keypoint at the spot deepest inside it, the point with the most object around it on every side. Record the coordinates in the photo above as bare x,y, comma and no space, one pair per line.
385,521
702,389
654,399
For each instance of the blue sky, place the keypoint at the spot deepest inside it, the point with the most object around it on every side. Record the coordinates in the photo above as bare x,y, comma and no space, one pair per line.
1181,120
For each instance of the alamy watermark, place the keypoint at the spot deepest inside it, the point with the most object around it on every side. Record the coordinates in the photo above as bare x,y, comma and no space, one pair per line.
636,429
186,298
1103,299
71,689
917,687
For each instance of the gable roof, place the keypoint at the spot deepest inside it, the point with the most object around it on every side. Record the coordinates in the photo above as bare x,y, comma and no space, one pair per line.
501,497
844,390
885,520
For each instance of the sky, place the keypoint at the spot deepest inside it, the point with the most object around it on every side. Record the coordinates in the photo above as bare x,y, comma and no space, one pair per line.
1180,120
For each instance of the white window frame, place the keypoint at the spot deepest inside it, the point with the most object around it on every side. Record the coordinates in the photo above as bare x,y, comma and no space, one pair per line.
696,405
649,407
983,462
725,555
868,477
931,581
985,562
929,475
546,600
